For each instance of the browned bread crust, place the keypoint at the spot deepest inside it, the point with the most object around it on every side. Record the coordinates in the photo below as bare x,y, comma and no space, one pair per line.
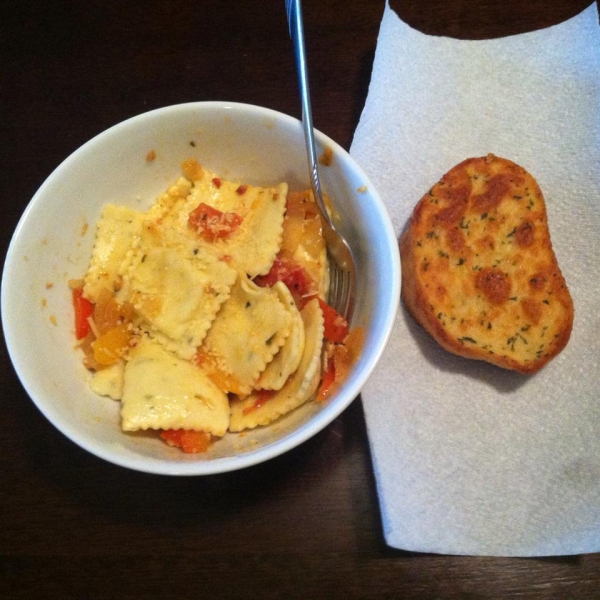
478,269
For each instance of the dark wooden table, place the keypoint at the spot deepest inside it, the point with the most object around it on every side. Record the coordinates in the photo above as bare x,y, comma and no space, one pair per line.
305,525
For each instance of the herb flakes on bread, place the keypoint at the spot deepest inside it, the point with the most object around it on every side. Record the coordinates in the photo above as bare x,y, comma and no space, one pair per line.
478,269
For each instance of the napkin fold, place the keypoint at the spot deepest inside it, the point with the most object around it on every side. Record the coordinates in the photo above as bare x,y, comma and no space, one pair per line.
470,458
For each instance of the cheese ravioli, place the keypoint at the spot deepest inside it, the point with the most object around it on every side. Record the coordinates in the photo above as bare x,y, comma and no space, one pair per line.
163,391
299,388
287,359
116,232
246,333
178,296
253,246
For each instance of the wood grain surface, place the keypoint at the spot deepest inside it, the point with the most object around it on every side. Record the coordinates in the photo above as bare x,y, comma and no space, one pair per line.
306,524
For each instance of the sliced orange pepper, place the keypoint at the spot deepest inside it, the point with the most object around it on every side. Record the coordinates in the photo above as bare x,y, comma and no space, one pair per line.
112,345
226,382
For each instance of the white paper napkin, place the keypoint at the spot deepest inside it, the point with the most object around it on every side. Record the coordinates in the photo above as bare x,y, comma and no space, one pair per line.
470,458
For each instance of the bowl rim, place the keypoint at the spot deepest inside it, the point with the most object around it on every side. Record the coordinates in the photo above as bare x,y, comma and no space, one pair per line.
290,440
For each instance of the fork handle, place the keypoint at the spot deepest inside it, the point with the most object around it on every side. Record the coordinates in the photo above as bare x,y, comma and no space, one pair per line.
294,16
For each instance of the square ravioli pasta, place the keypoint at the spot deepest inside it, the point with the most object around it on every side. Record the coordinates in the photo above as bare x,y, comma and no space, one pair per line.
206,313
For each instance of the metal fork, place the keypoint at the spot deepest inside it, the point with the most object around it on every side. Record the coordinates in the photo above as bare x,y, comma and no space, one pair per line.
342,271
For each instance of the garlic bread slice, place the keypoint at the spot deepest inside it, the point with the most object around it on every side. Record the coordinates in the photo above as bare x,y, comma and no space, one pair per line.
478,269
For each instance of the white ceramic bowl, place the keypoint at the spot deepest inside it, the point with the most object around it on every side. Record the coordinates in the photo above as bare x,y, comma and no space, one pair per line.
52,245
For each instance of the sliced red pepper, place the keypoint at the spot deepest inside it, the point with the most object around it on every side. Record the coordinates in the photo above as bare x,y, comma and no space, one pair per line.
327,381
211,223
83,311
336,327
262,397
192,442
293,275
